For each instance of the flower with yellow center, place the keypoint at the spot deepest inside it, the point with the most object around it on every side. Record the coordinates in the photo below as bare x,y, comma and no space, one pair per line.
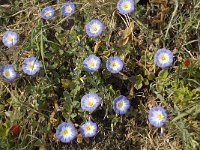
92,63
8,72
88,129
31,66
68,9
121,105
163,58
157,116
94,28
90,102
47,13
66,132
125,6
10,38
114,64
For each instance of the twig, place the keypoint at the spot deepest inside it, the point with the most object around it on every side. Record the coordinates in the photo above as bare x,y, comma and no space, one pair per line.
173,14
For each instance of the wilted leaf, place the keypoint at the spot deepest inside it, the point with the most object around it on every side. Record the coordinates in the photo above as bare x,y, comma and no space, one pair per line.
96,47
128,30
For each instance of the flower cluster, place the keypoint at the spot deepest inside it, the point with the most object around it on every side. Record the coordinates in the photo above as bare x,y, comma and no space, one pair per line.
67,9
66,132
113,64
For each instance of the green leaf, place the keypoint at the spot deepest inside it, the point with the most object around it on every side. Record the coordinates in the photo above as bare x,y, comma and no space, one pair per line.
138,82
163,74
146,81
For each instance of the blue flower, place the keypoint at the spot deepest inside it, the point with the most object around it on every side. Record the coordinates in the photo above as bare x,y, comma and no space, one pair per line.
121,105
114,64
125,6
30,66
92,63
68,9
88,129
47,13
8,72
94,28
10,38
163,58
66,132
157,116
90,102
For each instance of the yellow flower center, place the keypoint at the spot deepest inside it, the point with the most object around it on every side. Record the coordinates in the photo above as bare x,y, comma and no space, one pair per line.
31,66
48,13
68,9
119,104
126,5
65,132
90,103
88,128
10,39
114,65
92,63
159,116
95,28
163,57
6,73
